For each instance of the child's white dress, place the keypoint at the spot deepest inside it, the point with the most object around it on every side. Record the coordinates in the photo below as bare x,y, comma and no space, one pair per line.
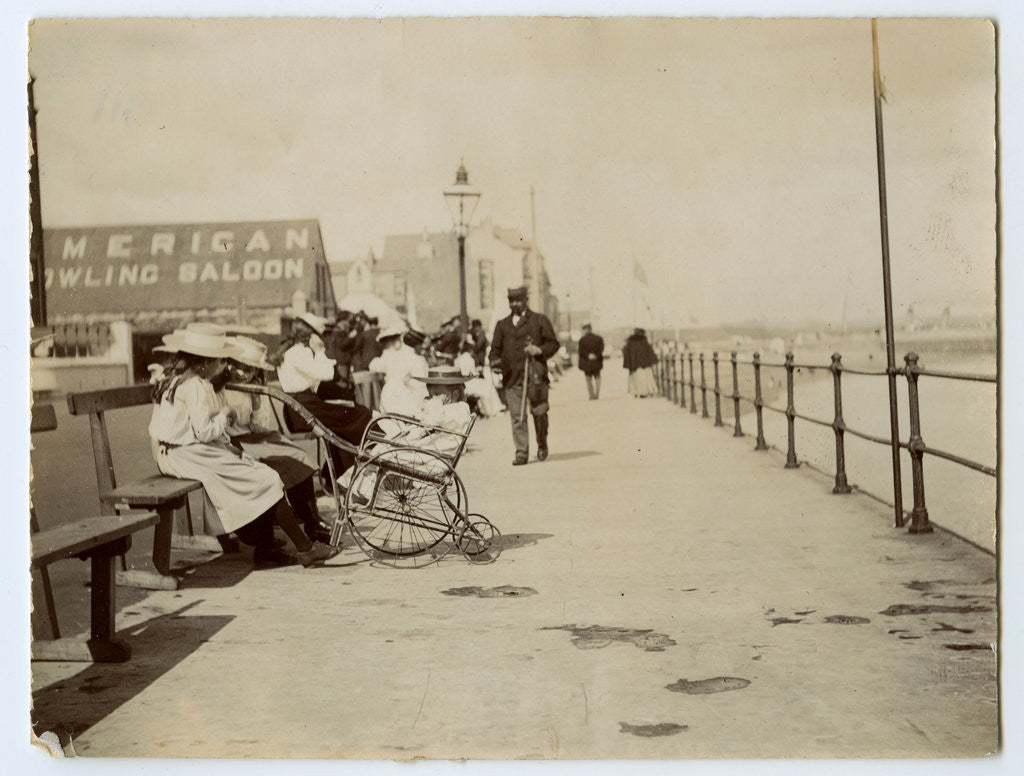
191,442
400,395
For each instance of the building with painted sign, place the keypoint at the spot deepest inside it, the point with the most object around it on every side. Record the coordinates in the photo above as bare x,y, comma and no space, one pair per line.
157,277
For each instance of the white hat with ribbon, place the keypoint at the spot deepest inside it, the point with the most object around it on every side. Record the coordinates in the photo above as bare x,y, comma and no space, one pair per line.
252,352
201,339
314,321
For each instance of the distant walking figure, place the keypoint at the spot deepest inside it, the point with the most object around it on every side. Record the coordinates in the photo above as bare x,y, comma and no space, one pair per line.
591,360
638,357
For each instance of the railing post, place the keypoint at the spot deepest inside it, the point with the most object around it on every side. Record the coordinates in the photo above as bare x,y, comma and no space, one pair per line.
759,404
693,397
737,431
842,486
703,390
672,377
682,382
661,374
791,462
919,515
718,392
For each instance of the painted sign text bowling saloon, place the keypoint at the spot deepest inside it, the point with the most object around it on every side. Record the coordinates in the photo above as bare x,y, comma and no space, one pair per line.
179,260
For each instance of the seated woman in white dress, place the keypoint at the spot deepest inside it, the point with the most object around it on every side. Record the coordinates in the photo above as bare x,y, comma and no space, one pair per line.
189,434
307,374
400,395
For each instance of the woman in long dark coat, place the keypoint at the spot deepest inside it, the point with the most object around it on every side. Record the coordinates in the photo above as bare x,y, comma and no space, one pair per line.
639,358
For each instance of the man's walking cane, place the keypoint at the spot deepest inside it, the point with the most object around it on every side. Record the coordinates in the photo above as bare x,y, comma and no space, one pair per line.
526,387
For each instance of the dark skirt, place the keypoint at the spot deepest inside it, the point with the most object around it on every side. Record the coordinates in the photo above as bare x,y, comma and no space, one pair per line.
347,422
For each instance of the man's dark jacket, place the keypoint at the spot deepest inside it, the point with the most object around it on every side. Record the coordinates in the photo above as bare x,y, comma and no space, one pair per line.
590,344
508,343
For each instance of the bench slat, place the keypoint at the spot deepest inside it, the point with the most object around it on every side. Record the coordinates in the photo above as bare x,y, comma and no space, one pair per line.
75,538
87,402
155,490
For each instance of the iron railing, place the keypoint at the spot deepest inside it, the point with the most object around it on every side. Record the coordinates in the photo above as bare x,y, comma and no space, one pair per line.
672,379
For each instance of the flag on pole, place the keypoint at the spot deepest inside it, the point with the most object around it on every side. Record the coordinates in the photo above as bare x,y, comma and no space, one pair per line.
638,272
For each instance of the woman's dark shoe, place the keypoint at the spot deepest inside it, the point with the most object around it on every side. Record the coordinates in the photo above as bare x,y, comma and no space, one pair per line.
317,554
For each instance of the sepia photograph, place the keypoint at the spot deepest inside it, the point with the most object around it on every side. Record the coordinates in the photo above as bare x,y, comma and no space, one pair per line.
409,384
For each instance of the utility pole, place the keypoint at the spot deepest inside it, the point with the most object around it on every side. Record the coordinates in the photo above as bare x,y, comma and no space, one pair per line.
890,345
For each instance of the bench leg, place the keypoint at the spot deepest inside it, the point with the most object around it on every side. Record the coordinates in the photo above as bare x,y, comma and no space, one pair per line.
162,579
103,647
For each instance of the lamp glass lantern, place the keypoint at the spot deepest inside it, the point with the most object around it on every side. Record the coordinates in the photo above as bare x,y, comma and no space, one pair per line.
462,199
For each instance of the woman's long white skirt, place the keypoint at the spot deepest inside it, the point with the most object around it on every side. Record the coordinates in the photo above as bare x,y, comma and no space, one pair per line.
238,488
641,382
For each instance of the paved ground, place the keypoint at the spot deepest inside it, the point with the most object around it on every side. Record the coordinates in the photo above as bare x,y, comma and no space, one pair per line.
665,592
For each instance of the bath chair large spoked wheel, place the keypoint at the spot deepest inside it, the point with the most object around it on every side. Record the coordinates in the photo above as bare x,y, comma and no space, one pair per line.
401,505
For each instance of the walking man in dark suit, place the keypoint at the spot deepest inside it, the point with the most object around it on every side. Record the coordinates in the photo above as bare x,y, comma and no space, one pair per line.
521,345
590,360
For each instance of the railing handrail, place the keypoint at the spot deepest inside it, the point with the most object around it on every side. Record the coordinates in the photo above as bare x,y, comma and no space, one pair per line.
912,371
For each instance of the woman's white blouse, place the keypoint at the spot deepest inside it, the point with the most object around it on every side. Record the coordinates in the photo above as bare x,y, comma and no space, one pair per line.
193,417
300,370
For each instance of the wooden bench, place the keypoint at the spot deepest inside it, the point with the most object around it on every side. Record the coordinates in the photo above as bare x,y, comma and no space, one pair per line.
100,539
167,496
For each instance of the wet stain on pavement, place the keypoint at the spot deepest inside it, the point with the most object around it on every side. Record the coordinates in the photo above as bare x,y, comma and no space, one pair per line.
653,731
899,609
708,686
784,621
909,638
846,619
966,647
804,614
598,636
943,626
926,586
502,591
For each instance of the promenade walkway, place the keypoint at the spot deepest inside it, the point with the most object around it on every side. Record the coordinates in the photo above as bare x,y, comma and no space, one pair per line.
665,592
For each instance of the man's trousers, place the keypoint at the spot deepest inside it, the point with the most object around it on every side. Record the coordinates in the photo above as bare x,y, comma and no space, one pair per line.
536,406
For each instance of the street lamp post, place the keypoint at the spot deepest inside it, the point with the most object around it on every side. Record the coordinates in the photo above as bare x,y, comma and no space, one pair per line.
462,200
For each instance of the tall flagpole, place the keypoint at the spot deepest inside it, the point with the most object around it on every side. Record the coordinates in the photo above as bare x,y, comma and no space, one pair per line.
890,345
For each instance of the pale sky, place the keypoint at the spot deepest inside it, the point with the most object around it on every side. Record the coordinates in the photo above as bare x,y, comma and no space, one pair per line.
734,159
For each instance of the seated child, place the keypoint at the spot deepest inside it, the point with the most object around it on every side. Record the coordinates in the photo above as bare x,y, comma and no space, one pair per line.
254,431
444,415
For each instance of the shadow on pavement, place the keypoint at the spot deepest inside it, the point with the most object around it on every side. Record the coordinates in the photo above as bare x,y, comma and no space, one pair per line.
515,541
219,571
573,455
72,706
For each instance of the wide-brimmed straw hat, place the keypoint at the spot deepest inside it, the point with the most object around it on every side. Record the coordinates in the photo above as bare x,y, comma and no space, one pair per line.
314,321
443,375
391,331
253,352
201,339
